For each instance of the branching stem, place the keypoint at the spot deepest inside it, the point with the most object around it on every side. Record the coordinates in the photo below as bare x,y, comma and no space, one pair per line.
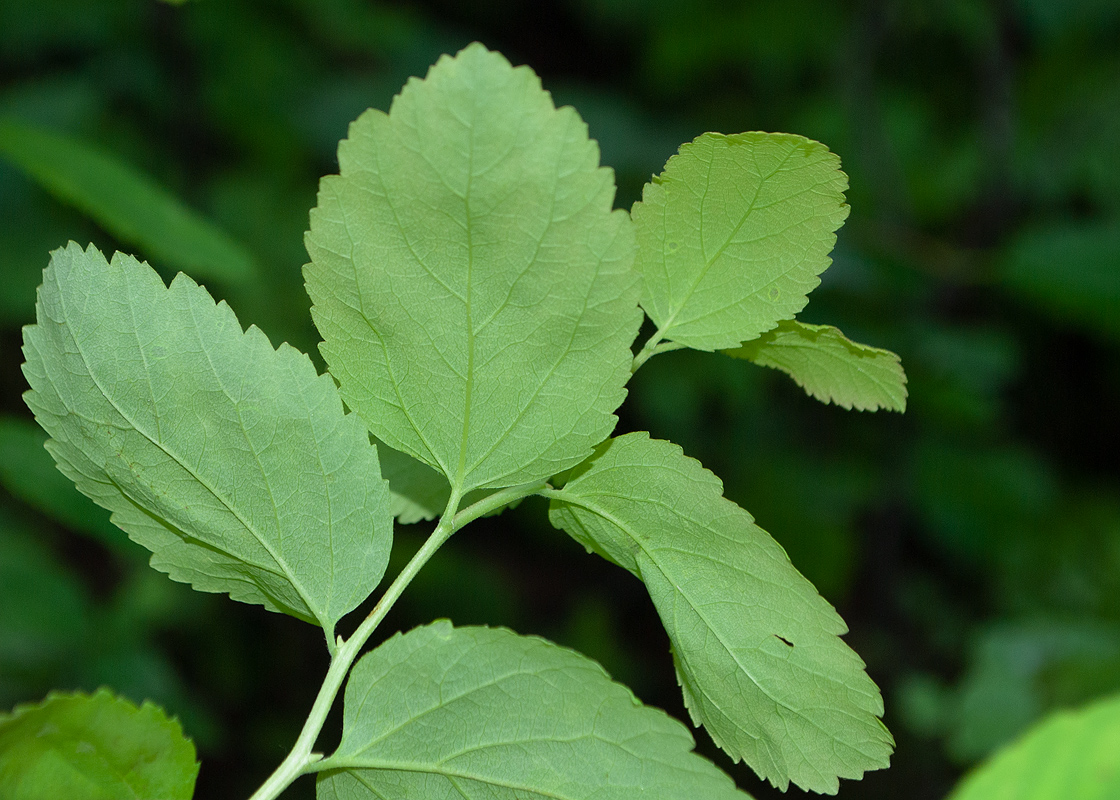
301,760
652,347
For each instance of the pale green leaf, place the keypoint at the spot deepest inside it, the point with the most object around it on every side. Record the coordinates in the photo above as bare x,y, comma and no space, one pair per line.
829,366
473,288
232,462
97,747
733,234
1071,755
757,650
446,713
125,202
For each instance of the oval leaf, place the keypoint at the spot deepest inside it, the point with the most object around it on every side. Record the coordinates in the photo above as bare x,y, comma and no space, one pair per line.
466,713
232,462
125,202
757,650
473,288
733,234
829,366
98,747
1071,755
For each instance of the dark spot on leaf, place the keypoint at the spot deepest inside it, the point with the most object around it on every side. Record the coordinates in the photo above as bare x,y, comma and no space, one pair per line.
784,640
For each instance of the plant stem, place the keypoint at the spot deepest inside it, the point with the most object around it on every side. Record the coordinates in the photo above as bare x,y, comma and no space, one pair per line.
652,348
301,759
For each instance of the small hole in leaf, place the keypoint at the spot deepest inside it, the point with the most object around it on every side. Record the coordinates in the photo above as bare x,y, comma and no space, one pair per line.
784,640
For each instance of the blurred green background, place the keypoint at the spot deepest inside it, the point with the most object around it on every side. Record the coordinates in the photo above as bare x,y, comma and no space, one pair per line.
972,544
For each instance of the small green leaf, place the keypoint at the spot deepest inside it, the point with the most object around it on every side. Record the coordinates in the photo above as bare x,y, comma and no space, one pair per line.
473,288
125,202
829,366
1071,755
733,234
97,747
757,650
232,462
466,713
28,472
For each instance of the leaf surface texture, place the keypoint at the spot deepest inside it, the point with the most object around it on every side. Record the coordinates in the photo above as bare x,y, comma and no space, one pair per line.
473,288
829,366
472,713
733,234
234,463
757,650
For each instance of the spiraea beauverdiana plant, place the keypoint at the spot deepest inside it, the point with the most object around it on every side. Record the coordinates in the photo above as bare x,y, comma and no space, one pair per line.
479,302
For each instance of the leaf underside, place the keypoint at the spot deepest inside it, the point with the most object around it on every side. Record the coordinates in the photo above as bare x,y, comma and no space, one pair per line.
733,234
473,288
465,713
829,366
94,746
757,650
234,463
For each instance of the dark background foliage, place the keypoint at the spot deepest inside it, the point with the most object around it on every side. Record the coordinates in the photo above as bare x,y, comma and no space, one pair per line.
972,544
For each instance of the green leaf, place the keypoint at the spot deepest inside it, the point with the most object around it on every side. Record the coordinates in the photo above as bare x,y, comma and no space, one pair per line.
97,747
757,650
733,234
829,366
445,712
232,462
472,286
1071,755
124,201
29,473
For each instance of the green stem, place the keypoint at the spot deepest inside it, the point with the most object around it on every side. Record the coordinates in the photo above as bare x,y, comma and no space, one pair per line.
301,760
652,348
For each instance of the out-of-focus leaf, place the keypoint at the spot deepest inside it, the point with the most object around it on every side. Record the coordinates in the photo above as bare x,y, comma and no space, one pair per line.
1016,669
1070,271
43,609
1071,755
94,747
829,366
124,201
28,472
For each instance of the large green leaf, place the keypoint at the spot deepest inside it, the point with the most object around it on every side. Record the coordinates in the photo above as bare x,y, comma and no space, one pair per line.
1071,755
473,288
97,747
127,203
446,713
232,462
829,366
733,234
757,650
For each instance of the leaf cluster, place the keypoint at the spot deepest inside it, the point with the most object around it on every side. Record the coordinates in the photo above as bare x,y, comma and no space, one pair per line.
479,300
